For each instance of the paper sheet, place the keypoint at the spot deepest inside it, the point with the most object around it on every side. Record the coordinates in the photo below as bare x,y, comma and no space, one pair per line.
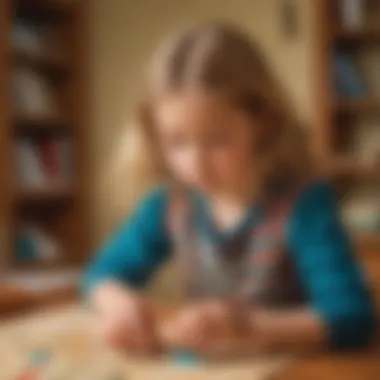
76,355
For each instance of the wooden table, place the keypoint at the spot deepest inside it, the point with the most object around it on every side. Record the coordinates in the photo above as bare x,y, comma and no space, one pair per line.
364,365
357,365
14,301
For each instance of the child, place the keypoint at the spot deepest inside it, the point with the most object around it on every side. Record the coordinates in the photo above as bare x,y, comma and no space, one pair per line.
258,236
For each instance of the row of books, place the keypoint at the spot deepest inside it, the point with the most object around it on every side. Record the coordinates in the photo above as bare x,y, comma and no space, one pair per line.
353,15
35,38
361,213
35,244
44,162
348,81
33,92
356,13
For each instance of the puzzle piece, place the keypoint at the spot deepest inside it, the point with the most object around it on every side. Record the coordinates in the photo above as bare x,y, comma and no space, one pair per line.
40,357
185,358
28,375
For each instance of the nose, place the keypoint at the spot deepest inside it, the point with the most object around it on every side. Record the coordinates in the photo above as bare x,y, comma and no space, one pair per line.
199,163
199,159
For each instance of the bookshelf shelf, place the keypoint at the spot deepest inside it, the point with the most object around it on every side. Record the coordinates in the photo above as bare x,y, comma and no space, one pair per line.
344,64
52,64
49,194
37,148
364,106
38,265
368,241
50,9
40,124
362,35
346,169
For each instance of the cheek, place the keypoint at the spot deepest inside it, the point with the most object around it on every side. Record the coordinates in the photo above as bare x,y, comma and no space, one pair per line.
232,157
180,161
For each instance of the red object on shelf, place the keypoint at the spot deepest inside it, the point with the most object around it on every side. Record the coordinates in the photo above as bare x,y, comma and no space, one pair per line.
49,150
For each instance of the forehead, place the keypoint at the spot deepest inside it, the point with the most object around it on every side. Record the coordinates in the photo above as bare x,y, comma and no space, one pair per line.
194,108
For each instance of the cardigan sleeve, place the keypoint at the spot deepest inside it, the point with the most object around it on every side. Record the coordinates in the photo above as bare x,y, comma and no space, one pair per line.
332,278
136,249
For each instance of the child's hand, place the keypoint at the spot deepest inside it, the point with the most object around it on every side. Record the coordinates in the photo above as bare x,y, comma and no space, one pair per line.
126,321
205,326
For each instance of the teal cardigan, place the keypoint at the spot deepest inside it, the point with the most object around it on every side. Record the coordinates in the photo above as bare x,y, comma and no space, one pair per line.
319,246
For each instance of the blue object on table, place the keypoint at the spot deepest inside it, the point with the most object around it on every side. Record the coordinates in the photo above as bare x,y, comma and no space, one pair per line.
185,358
40,357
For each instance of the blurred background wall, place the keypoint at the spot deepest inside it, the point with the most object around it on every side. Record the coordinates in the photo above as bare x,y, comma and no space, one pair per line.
326,53
124,33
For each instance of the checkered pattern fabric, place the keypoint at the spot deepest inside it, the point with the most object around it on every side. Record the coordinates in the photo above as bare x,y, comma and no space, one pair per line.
257,268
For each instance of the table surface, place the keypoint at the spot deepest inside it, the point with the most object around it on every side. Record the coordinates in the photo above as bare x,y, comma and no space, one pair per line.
357,365
364,365
361,365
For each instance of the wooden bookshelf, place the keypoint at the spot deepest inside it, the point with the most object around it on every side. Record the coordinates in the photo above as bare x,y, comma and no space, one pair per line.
50,64
38,124
368,241
364,107
343,168
48,194
48,7
60,209
40,266
363,35
337,117
14,301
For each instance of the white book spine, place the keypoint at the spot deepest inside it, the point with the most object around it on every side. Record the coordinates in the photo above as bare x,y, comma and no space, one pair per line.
352,13
29,166
47,247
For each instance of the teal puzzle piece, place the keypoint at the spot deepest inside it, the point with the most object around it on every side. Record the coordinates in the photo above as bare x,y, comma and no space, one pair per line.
185,358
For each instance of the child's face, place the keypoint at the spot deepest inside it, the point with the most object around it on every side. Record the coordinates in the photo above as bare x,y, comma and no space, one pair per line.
207,142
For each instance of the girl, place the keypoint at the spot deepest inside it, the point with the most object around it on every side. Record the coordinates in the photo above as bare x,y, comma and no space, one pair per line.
258,236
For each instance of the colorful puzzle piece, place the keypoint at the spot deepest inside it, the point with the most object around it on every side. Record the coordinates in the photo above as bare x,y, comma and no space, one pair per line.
28,375
40,357
185,358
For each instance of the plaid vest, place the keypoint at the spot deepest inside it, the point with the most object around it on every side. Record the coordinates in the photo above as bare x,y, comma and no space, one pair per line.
255,267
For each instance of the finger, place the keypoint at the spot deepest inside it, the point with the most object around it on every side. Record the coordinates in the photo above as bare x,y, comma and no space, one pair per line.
121,332
194,329
144,332
174,332
168,332
112,334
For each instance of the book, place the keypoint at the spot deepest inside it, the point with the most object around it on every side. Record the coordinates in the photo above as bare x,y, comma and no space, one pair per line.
346,78
353,13
361,213
46,162
27,37
33,244
50,159
32,95
65,160
30,171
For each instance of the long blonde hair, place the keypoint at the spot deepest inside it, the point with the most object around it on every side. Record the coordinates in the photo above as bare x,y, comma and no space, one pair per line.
222,59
